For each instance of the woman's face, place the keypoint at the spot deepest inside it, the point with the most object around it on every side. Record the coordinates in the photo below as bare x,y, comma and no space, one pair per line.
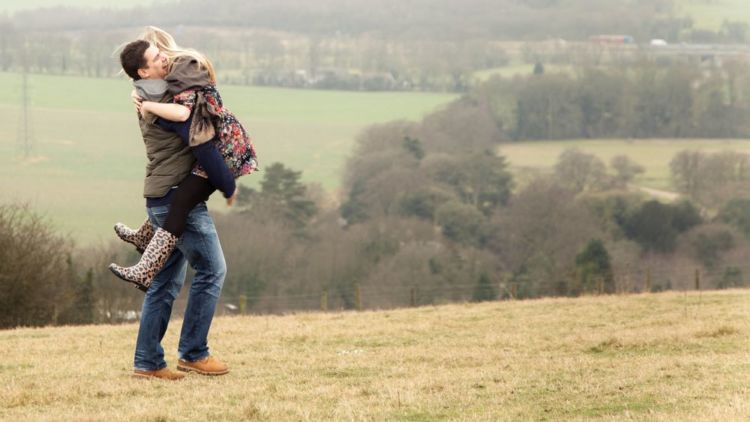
156,64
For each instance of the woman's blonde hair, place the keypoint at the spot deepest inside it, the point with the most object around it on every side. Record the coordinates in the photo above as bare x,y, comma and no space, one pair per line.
167,45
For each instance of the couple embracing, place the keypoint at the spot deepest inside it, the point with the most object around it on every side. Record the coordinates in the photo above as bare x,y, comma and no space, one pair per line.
194,147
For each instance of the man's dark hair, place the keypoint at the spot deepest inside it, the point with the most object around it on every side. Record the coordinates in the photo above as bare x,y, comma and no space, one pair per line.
133,58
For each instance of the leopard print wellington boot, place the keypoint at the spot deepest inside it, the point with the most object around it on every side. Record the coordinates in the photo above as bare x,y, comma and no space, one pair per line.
139,238
158,250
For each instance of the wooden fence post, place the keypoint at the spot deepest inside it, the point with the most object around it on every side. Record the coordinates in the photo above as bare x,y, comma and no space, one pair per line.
648,280
243,304
697,279
324,300
358,298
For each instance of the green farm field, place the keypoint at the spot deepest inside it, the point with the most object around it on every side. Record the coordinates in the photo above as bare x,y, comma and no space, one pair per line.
528,158
674,356
710,14
87,164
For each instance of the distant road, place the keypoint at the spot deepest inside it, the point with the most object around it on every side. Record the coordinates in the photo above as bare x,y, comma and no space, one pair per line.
679,49
663,195
699,49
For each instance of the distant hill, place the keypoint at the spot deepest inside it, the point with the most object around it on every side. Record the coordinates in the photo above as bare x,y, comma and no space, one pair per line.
441,19
420,19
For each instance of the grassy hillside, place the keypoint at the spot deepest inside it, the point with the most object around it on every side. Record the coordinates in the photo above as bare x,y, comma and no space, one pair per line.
87,165
653,154
669,356
710,14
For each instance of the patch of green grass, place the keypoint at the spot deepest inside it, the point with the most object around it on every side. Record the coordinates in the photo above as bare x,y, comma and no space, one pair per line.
414,415
350,372
710,14
641,405
531,157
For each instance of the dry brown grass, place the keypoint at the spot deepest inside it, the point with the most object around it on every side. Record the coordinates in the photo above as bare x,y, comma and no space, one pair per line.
670,356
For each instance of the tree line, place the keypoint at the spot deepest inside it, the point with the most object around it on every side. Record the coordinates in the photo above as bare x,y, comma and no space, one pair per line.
247,56
332,45
642,100
391,19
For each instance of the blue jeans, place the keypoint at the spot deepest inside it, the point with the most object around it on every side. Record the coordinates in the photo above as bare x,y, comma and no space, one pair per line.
199,246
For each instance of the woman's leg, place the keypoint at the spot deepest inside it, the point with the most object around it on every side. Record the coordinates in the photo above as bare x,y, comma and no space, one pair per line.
191,191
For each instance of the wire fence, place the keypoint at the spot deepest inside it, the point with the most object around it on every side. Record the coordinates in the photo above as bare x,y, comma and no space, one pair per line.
357,297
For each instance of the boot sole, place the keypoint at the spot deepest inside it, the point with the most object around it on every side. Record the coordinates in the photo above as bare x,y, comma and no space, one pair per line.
140,287
151,377
198,371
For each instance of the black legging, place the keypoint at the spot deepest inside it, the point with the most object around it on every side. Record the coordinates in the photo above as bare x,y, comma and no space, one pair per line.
190,192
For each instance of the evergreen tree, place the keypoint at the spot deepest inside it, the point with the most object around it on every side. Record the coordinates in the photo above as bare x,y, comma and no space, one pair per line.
414,146
282,193
85,299
593,266
484,290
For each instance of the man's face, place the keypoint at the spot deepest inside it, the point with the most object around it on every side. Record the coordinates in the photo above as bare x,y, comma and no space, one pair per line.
156,64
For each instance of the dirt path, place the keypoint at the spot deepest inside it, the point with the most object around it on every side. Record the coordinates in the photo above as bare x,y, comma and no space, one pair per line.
663,195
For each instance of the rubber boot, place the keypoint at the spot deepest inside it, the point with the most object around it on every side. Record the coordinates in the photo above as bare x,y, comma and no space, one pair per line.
139,238
154,256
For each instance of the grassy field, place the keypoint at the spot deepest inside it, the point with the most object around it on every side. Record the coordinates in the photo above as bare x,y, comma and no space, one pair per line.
710,14
527,158
661,357
86,169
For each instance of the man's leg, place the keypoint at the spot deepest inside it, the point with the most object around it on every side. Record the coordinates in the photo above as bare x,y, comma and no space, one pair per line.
200,245
157,305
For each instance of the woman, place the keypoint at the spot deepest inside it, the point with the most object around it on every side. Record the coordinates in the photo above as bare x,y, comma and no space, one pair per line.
198,115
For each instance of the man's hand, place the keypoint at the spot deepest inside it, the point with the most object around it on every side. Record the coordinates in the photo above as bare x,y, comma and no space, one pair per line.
137,101
231,199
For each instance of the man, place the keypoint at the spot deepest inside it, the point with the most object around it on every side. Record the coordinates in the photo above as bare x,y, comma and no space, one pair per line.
169,162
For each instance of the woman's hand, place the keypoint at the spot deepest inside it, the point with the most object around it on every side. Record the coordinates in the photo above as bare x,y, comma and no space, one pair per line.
137,101
144,107
231,199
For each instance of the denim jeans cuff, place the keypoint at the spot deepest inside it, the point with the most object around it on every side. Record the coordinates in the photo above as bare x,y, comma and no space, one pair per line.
140,368
188,358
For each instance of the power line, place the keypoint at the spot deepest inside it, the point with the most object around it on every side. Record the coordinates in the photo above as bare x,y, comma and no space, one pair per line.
25,135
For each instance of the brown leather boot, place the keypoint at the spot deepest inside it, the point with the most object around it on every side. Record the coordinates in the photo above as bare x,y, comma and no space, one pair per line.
206,366
139,238
163,373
